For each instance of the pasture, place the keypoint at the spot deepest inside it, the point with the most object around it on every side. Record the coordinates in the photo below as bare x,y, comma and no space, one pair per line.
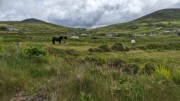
91,68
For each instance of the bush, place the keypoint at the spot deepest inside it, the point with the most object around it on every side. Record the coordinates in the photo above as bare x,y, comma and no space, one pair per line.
95,50
35,52
174,45
36,55
94,37
131,69
162,73
104,48
119,47
149,68
115,63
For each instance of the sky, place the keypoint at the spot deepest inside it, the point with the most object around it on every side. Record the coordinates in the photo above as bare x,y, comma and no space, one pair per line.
81,13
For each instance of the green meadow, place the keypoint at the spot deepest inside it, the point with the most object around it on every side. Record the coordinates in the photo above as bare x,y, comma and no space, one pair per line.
91,68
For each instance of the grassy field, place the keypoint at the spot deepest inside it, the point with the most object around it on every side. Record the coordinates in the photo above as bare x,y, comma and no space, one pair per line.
91,68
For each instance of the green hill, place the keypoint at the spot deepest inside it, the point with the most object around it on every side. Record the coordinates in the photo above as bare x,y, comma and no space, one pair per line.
33,26
163,15
159,21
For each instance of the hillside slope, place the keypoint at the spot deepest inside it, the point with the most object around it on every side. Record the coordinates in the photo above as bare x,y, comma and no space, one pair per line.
159,21
33,26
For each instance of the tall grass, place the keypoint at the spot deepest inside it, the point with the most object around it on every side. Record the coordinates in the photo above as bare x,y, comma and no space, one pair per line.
74,73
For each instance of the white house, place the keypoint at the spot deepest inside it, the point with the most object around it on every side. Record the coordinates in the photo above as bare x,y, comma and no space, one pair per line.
74,37
109,35
84,34
12,29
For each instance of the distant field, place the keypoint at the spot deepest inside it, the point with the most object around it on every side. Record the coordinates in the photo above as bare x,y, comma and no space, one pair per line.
92,68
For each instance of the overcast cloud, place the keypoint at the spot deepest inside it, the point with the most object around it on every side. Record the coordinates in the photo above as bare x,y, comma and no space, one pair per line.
81,13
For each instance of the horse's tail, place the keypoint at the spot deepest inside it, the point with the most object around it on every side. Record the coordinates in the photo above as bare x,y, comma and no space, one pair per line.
53,41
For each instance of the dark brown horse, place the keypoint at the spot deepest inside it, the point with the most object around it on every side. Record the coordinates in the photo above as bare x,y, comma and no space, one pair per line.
59,39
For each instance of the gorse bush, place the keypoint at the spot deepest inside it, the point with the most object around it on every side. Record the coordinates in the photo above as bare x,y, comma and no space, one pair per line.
94,50
131,69
94,37
119,47
35,52
36,55
148,68
104,48
162,72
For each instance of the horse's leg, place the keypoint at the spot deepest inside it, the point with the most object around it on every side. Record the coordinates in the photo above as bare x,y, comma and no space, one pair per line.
53,41
59,41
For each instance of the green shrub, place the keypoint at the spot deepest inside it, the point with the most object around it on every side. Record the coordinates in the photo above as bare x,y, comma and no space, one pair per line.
149,68
94,37
35,52
162,73
174,45
95,50
104,48
115,63
119,47
36,55
131,69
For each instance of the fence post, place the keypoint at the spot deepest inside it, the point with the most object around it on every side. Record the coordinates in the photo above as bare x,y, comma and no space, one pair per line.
18,48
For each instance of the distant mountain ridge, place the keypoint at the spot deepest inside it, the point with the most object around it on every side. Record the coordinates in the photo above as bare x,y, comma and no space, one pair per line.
33,20
36,26
164,14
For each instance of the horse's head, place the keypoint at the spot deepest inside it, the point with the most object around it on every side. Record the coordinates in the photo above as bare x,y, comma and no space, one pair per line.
65,37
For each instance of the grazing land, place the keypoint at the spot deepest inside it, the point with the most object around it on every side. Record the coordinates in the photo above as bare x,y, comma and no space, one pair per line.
89,69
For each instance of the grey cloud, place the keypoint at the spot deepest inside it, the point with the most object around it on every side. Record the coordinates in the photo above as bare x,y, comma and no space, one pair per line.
81,13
